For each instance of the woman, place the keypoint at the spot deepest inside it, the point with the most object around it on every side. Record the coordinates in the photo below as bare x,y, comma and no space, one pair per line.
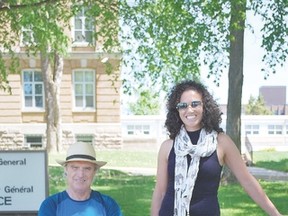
191,161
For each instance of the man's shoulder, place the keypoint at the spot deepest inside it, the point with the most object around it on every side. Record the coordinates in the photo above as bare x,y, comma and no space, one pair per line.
57,197
104,198
108,202
49,205
99,195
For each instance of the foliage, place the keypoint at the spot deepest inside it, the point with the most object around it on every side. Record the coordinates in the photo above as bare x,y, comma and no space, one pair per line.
40,28
174,38
274,32
147,103
256,106
46,22
134,193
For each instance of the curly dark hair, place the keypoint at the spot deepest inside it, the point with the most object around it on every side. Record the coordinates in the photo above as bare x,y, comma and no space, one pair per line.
211,112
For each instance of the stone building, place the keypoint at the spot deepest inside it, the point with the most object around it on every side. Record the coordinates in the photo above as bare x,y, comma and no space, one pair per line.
89,98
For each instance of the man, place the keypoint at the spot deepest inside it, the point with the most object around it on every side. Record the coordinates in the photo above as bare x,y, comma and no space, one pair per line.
80,167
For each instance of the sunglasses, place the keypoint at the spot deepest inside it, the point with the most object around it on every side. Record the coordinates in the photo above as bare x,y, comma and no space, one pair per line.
193,104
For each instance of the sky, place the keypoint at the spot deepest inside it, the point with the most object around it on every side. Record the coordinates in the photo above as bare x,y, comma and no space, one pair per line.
253,77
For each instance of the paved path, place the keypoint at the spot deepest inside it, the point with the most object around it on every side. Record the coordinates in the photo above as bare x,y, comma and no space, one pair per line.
134,170
259,173
268,175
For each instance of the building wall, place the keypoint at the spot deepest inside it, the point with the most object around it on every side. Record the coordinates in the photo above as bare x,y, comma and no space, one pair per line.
257,132
102,123
273,95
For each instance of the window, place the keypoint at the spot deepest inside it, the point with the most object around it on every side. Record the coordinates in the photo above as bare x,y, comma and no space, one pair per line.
87,138
84,89
34,141
275,129
27,37
138,129
33,88
251,129
83,28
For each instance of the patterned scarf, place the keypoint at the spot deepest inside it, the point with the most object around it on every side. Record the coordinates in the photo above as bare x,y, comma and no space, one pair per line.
185,180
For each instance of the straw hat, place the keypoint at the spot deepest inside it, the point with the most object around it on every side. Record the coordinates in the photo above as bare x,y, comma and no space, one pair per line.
81,152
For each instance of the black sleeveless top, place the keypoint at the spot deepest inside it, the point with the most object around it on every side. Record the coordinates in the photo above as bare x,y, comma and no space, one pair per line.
204,199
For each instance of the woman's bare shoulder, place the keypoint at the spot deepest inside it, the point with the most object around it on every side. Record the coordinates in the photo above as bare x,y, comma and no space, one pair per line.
224,139
165,147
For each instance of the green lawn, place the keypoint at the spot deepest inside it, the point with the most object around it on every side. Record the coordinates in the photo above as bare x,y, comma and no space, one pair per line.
272,160
120,158
133,193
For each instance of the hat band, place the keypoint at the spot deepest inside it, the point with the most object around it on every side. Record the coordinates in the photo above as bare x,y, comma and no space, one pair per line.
80,156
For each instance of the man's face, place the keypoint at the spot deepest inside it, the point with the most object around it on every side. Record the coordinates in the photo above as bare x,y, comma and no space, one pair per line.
80,175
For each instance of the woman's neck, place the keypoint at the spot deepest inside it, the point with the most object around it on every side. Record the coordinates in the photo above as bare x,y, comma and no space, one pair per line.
194,136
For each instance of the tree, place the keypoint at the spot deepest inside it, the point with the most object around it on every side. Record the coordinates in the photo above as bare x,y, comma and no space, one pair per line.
47,21
176,37
147,103
256,106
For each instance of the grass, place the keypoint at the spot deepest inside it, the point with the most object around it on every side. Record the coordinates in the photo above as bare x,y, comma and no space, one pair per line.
272,160
148,159
121,158
133,193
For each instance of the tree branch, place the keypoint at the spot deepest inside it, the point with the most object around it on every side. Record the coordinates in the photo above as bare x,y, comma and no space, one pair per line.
6,6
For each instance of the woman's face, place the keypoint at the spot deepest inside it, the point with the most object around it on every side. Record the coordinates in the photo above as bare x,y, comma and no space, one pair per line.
190,110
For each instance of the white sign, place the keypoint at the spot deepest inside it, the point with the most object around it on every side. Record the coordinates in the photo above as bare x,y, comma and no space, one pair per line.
23,181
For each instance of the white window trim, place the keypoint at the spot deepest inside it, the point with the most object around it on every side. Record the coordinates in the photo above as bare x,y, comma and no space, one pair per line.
39,145
22,43
83,109
274,130
85,135
252,129
33,108
77,43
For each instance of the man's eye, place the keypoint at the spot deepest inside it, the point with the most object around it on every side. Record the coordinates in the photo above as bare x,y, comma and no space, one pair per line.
88,168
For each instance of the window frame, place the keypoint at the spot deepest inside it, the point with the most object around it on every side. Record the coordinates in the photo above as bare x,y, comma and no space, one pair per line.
31,144
275,129
83,19
138,129
252,129
84,107
34,94
23,42
86,138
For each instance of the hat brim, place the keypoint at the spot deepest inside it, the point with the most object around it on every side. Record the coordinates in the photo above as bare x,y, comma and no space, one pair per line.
98,163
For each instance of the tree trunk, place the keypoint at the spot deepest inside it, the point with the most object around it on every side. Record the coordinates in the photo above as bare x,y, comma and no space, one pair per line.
52,73
235,76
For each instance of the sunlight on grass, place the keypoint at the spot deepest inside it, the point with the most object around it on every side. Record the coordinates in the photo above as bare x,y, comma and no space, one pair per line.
119,158
134,193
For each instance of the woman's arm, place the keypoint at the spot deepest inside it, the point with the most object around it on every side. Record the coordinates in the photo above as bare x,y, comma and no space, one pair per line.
161,177
232,158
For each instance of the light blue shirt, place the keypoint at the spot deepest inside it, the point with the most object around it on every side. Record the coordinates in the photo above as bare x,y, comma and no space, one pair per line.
61,204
